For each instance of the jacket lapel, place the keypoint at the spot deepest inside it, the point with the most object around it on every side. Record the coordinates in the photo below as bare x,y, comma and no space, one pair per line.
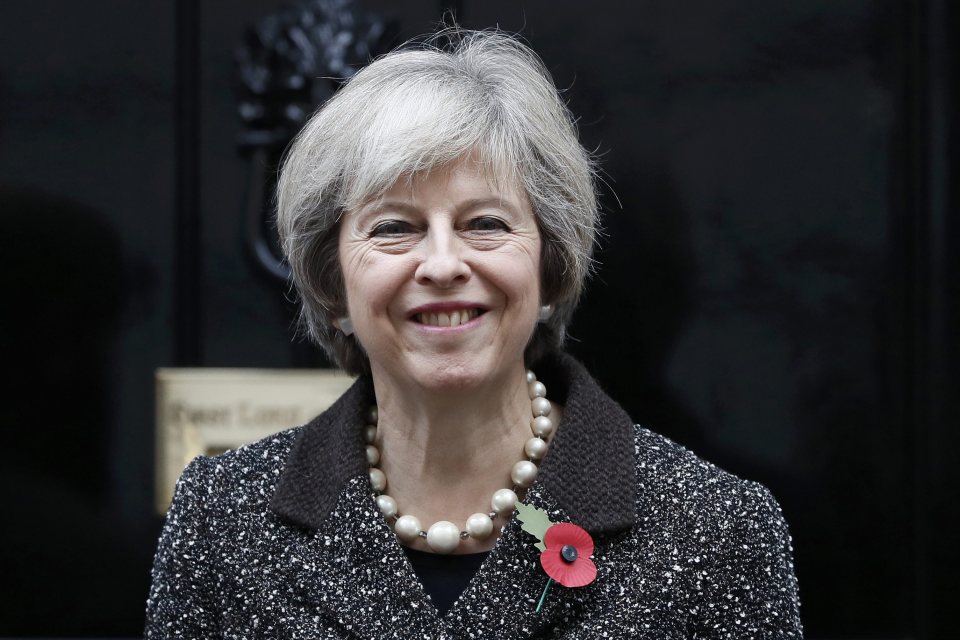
345,559
501,600
591,466
353,569
327,454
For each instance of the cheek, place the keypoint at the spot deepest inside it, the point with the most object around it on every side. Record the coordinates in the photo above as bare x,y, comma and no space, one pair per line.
372,284
519,280
526,271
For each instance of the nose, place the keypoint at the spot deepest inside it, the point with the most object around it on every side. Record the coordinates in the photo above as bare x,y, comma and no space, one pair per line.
442,261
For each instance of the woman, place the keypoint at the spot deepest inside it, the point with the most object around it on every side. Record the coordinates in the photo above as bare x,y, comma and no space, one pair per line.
438,215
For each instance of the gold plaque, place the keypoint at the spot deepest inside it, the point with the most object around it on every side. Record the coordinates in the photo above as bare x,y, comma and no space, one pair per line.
208,411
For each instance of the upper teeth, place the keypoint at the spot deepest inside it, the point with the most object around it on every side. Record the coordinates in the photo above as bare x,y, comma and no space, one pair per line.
451,319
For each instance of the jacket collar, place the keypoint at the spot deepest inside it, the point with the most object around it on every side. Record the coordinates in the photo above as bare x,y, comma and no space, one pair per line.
589,471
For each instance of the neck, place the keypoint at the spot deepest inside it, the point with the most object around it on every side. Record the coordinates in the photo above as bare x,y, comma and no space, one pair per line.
445,452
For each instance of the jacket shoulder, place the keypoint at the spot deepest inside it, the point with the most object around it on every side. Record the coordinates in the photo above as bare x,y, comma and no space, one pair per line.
266,453
728,541
679,489
666,465
243,477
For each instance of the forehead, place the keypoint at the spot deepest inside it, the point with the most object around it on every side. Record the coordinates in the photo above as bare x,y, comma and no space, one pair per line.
464,181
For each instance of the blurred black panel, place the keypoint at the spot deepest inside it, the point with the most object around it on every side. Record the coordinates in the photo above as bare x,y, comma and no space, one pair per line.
86,211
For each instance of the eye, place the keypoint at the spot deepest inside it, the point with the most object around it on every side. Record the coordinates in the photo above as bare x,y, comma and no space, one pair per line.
391,228
487,223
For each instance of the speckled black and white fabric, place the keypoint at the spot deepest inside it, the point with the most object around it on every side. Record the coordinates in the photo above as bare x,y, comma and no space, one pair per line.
282,539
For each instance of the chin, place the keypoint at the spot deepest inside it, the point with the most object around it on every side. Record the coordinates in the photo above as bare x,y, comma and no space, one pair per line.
456,374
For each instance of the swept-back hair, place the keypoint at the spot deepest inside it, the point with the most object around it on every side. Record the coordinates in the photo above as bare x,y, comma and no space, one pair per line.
461,93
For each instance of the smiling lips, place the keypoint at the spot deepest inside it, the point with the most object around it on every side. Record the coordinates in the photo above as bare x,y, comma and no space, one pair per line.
447,318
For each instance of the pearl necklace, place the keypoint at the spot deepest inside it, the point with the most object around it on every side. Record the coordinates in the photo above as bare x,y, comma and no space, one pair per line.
444,536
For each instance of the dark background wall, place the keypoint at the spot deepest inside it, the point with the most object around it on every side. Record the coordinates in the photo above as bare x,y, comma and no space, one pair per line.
777,291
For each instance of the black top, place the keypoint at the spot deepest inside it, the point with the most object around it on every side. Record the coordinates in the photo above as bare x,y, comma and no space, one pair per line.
444,577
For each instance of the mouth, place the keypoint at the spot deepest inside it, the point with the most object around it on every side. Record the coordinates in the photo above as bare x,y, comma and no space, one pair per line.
452,318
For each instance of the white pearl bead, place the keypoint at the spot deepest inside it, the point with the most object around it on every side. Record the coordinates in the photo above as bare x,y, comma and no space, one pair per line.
535,448
378,480
387,505
373,455
370,433
541,407
407,528
531,377
479,526
541,426
443,536
537,390
373,415
524,473
504,501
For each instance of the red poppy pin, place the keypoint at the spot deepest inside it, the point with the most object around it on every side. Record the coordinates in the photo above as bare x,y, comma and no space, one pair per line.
565,549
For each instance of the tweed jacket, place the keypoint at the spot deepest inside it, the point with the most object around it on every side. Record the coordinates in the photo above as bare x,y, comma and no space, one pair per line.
283,539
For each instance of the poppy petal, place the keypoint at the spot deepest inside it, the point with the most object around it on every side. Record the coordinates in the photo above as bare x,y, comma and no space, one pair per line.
566,533
552,563
579,574
569,574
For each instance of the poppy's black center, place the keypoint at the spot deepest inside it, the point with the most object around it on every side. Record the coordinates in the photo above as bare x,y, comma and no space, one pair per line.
568,553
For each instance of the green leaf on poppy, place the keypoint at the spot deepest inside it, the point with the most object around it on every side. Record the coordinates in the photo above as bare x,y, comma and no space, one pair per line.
535,521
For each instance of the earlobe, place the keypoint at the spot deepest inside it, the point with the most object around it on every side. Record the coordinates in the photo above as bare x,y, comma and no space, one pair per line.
345,324
545,312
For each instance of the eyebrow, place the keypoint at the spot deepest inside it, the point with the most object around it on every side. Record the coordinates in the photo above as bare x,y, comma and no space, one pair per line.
479,203
467,205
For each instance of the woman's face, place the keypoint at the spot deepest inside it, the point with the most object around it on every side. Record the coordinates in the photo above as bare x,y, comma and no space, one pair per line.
442,278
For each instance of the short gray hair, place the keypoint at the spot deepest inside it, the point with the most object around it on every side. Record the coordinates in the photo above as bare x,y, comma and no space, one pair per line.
418,108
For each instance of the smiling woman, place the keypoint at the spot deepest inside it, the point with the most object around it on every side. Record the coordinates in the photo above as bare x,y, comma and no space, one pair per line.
439,215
